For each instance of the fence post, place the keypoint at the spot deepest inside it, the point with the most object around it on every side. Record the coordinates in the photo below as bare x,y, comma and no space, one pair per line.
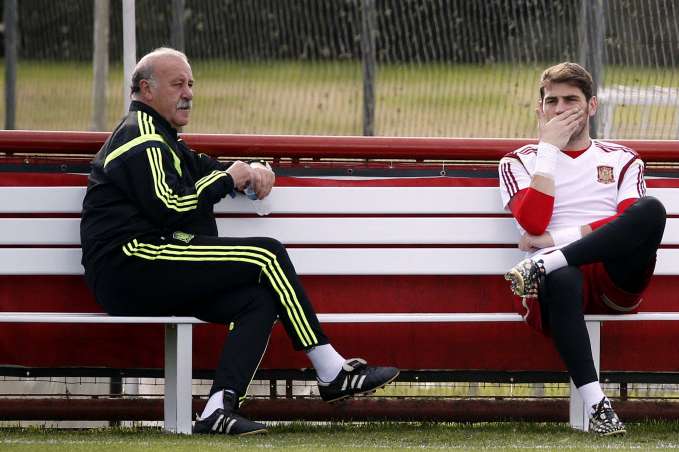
129,50
11,25
368,58
100,63
177,29
591,31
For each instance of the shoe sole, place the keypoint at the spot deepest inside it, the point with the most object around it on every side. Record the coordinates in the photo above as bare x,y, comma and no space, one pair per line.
615,433
367,391
254,432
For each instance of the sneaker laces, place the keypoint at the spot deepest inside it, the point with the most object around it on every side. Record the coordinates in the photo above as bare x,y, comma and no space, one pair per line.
603,409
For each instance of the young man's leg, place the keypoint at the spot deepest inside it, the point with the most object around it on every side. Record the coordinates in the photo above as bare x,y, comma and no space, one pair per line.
562,301
626,245
561,298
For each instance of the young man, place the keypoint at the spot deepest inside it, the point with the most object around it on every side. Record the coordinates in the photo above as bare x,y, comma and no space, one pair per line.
590,231
150,247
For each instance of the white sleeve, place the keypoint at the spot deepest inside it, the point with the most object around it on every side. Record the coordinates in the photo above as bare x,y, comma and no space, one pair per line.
632,184
513,178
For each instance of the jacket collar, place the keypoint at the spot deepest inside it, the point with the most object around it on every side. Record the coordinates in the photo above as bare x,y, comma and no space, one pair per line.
136,105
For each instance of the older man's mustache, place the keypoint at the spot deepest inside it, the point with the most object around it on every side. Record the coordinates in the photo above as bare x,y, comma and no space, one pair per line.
184,105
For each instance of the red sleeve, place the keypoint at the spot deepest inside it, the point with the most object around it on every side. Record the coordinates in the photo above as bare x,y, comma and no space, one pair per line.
624,204
532,209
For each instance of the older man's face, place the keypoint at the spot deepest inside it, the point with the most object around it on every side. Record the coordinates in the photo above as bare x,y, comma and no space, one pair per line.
171,92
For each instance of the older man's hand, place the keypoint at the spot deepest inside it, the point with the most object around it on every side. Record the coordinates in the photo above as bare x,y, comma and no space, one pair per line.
263,179
241,173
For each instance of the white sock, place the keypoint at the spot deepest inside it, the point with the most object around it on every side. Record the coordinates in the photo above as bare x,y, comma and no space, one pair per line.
592,394
326,361
215,402
553,261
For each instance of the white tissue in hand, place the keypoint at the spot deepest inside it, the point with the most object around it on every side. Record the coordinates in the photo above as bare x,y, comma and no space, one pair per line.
261,206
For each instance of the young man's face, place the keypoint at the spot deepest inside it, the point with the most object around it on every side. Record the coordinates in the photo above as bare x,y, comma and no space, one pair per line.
171,91
560,97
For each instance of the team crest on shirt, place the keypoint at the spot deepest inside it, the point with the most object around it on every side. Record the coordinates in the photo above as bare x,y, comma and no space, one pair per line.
605,174
182,236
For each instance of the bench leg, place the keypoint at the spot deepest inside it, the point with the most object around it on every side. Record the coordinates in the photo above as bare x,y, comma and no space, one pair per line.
178,375
579,413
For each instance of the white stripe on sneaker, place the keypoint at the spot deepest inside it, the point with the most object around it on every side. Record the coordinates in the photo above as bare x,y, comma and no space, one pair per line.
230,425
361,380
215,426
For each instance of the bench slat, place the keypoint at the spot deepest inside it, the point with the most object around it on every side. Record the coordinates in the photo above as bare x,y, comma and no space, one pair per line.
86,317
313,230
41,199
410,317
313,200
330,261
39,231
298,230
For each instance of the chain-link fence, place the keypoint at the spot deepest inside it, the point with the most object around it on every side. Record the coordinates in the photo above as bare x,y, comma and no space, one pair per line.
348,67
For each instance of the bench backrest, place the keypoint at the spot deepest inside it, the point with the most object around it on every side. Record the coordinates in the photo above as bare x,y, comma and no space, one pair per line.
367,230
366,249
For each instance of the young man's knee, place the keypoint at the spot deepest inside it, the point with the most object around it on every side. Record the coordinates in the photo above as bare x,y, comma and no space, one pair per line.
652,210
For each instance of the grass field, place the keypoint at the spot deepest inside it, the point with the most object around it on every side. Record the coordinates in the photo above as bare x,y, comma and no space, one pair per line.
343,437
326,98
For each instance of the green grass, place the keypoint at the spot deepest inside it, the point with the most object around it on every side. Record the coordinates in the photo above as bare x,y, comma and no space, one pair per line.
326,98
342,437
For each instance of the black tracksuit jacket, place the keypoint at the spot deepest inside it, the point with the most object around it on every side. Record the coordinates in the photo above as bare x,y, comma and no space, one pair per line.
146,180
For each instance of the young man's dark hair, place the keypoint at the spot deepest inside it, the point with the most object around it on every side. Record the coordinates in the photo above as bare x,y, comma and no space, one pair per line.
571,74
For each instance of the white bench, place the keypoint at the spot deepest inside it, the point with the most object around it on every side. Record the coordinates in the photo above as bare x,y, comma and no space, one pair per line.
330,218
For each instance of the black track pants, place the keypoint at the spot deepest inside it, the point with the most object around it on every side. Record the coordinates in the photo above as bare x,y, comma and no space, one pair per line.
248,281
626,246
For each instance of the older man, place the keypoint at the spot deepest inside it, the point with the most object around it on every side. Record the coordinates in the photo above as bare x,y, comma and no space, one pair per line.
150,247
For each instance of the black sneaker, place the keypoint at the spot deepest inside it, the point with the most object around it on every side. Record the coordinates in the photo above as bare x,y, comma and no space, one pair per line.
604,421
526,277
356,377
227,421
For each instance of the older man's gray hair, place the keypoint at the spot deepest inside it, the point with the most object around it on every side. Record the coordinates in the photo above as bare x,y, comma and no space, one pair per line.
144,68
